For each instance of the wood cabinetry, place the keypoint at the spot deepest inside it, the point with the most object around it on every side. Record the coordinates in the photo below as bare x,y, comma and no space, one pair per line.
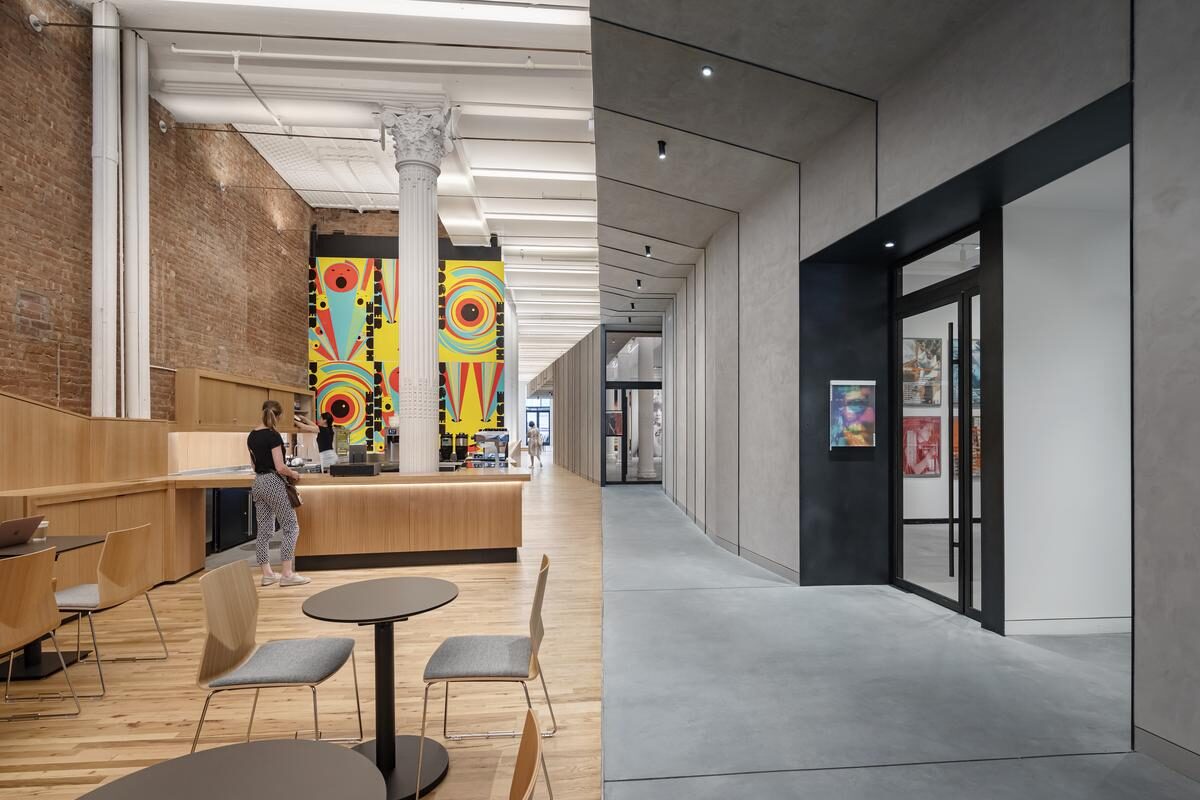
214,401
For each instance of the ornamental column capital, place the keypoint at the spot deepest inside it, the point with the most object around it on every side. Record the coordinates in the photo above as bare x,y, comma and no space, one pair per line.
420,135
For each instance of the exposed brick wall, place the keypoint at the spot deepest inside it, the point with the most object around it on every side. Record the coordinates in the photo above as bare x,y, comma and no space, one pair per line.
45,205
368,223
229,282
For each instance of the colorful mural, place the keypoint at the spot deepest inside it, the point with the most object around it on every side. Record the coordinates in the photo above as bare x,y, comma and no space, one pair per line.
471,345
354,342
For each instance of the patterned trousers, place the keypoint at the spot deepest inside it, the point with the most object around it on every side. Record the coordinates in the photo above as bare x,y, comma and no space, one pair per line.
271,503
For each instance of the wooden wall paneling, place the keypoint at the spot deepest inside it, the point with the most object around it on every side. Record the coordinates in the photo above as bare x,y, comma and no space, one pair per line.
191,450
125,449
143,508
183,544
76,566
63,517
187,399
41,444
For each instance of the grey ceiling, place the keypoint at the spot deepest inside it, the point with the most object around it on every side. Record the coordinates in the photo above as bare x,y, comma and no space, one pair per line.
788,75
858,45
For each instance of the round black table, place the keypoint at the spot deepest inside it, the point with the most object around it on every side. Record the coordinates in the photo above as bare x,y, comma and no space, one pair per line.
276,769
383,602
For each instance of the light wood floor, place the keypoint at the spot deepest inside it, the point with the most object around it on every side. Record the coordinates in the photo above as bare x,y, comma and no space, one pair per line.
151,709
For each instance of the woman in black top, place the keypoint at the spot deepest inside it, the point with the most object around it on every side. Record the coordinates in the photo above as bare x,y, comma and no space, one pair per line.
270,498
324,431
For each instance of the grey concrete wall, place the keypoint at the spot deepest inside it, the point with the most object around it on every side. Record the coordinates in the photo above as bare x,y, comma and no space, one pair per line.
697,407
721,384
1166,367
769,408
1021,67
575,410
838,186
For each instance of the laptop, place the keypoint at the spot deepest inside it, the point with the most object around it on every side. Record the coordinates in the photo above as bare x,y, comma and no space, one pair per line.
18,531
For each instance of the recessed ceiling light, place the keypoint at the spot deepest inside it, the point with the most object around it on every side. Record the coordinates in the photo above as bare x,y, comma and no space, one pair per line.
706,71
889,245
662,149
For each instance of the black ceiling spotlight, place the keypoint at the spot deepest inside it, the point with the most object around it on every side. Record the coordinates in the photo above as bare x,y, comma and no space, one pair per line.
639,284
629,319
647,251
662,149
495,240
632,307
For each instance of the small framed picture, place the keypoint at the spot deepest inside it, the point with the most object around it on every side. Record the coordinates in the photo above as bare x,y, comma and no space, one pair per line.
851,414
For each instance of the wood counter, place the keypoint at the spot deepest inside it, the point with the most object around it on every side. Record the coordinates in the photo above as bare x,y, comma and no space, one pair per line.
472,515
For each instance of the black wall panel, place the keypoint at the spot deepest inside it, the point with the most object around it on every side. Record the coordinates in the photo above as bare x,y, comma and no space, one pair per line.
844,493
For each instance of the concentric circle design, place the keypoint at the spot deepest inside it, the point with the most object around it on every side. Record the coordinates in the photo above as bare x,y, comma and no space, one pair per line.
473,296
343,389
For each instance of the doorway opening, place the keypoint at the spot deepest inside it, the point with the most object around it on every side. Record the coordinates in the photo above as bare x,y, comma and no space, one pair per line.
633,420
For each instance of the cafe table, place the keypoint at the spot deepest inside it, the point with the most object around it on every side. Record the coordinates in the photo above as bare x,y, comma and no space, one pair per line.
274,769
30,666
382,602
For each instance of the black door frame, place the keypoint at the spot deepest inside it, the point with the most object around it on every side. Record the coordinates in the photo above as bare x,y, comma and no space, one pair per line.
986,282
623,387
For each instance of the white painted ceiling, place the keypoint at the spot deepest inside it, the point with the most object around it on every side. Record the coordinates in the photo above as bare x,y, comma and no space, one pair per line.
523,165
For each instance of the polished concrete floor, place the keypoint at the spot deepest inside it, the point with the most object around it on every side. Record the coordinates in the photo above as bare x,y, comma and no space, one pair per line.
720,679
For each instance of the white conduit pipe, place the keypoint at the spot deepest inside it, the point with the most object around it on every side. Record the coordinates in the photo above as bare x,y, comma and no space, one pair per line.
135,239
106,116
529,63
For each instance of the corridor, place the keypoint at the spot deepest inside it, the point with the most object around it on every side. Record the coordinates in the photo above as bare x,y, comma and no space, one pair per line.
720,678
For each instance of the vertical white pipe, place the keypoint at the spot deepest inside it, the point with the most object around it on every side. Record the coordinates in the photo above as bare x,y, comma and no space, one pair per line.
106,115
135,240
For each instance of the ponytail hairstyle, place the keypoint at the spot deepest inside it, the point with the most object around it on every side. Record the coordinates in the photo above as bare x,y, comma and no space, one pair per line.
271,411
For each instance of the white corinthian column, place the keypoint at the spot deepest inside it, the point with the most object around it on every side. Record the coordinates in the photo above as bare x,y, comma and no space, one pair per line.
421,142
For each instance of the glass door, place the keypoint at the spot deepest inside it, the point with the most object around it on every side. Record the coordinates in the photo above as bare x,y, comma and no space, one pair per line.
938,429
633,429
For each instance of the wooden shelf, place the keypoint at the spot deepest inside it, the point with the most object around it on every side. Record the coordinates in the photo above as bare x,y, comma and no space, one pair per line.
216,402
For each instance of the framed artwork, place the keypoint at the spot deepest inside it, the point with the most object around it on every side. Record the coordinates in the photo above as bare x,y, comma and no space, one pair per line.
921,372
921,447
851,414
976,447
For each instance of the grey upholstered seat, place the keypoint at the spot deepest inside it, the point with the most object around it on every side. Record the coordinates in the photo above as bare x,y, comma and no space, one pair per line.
83,596
290,661
480,657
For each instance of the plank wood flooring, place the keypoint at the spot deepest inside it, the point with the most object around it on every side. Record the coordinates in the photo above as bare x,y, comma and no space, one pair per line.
151,709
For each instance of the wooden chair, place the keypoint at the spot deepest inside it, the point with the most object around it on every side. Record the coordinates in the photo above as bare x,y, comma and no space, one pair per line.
491,659
231,661
528,756
27,613
121,576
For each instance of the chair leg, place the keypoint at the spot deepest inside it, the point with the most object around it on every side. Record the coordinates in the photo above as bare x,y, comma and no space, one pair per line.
545,772
357,701
8,698
96,655
200,724
161,640
553,721
421,741
459,737
253,708
316,722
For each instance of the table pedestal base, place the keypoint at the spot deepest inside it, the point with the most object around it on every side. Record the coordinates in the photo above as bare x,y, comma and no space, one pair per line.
40,665
402,782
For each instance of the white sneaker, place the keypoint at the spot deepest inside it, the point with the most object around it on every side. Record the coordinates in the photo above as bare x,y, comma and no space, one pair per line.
267,580
294,580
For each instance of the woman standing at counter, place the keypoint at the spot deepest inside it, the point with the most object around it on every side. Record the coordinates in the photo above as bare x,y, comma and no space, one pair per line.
324,431
269,494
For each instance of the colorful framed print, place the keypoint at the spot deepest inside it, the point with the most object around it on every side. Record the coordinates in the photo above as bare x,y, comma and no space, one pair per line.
921,372
921,447
851,414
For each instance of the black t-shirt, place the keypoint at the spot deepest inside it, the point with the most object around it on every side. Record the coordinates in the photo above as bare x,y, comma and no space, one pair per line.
260,444
325,438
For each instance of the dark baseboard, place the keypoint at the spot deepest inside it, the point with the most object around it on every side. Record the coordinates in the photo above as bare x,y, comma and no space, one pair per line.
1178,758
492,555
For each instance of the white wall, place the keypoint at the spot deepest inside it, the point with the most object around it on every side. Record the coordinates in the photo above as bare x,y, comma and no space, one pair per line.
1067,404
